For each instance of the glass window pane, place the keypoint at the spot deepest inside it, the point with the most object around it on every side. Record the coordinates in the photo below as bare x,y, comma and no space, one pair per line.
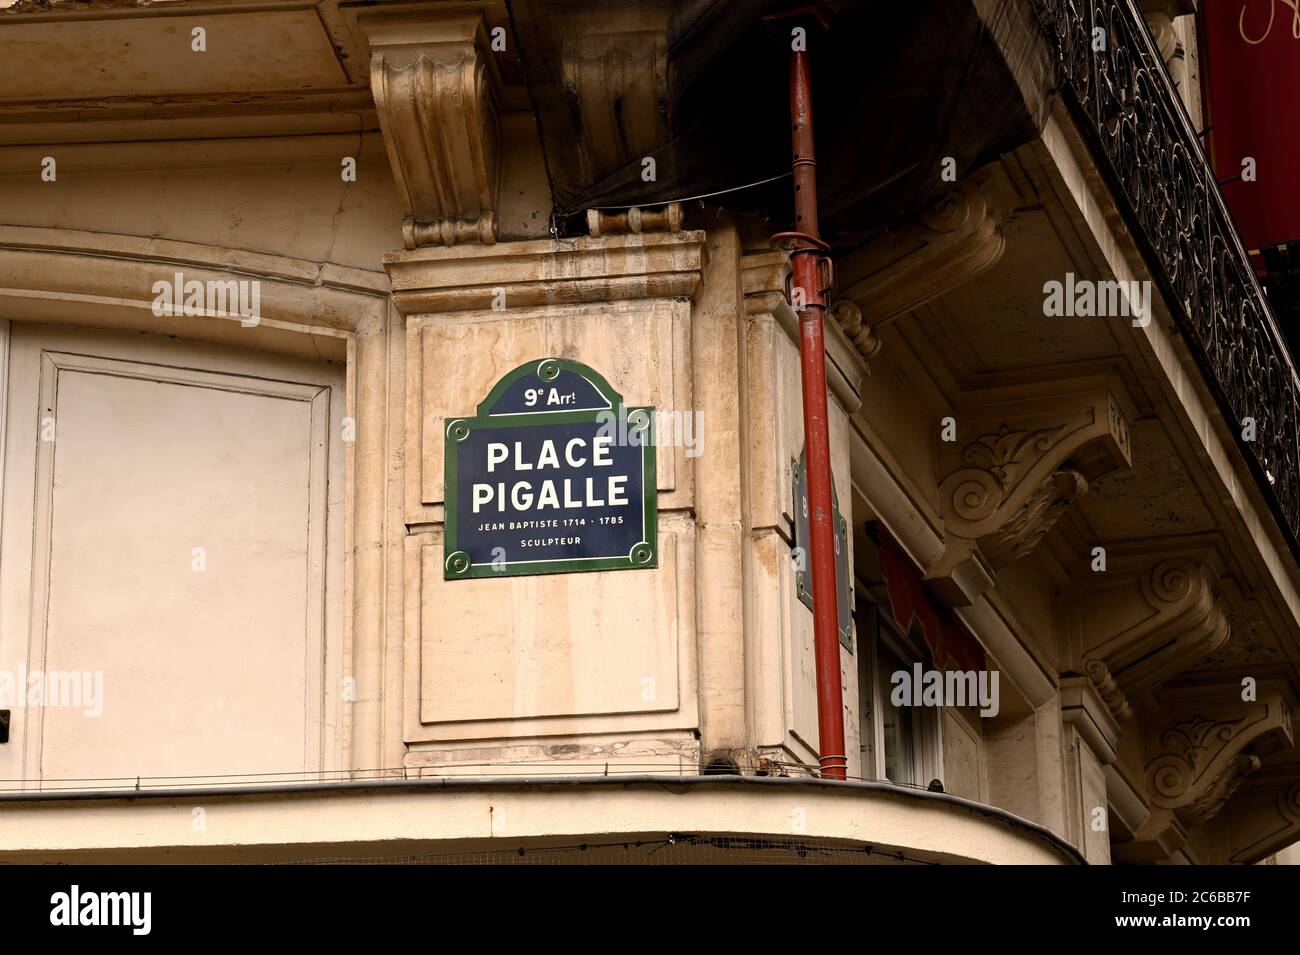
900,761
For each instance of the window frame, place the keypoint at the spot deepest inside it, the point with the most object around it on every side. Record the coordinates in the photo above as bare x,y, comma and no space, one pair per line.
877,628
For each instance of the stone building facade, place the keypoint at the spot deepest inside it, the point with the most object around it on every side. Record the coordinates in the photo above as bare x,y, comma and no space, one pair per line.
236,516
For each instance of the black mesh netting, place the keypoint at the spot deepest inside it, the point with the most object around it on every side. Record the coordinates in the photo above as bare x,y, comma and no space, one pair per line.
703,91
677,849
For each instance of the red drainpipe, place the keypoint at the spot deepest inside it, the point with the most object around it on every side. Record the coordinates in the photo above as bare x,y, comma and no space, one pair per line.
811,266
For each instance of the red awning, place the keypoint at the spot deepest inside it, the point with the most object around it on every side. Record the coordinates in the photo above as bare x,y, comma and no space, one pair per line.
1250,59
951,645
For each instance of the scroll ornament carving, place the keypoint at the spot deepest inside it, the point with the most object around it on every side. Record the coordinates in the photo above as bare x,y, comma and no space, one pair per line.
1202,759
1108,690
996,461
1208,804
1183,620
1190,746
1016,467
996,464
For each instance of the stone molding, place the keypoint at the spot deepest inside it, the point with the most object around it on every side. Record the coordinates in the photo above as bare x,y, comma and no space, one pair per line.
1084,708
763,277
515,275
436,90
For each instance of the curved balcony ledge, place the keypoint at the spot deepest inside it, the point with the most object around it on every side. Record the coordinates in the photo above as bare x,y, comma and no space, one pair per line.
461,815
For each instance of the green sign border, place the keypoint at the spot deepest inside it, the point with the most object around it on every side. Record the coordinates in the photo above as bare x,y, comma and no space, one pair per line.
643,556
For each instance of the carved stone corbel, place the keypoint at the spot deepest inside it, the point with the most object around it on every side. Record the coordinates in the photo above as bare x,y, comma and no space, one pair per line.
1207,746
1151,616
1209,742
616,78
1013,469
949,243
436,87
1204,750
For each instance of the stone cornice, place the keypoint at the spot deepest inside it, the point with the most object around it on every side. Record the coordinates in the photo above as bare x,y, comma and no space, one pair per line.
546,272
103,279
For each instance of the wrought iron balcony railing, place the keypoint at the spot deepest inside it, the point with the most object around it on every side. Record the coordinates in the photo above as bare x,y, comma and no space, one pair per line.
1128,108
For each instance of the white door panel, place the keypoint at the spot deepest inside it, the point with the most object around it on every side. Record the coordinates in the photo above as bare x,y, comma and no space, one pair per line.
176,542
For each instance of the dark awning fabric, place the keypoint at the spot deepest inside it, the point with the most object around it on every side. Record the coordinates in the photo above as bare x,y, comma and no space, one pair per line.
951,644
896,89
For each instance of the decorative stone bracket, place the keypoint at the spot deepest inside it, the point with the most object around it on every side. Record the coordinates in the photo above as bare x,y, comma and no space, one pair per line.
1013,469
1208,744
615,72
1205,749
950,242
1151,616
436,90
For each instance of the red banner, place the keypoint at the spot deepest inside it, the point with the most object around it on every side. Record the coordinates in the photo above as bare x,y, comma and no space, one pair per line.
951,645
1250,58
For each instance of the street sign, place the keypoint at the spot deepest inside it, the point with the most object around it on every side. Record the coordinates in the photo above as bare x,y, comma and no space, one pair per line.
803,552
552,475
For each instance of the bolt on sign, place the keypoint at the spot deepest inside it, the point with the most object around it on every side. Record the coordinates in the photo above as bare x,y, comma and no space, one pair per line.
803,543
552,475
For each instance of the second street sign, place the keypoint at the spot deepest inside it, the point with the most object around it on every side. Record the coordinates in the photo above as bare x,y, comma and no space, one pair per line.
803,543
552,475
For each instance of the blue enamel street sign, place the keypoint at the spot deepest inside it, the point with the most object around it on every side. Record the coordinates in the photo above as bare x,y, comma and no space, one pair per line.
552,475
